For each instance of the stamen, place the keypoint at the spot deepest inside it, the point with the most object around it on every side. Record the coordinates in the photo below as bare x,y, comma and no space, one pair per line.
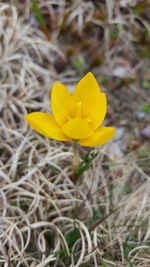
78,109
88,119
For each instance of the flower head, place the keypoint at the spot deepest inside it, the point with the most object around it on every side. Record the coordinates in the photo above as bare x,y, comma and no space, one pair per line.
76,116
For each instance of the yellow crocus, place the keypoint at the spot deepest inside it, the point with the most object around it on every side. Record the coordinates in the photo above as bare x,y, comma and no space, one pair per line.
76,116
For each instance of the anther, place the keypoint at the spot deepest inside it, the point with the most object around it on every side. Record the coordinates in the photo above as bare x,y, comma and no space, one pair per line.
78,109
88,119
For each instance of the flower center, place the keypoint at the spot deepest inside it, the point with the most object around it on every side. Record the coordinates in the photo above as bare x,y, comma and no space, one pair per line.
88,119
69,118
78,113
78,110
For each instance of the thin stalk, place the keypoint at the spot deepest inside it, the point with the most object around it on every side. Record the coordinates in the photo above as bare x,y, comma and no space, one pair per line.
76,156
75,161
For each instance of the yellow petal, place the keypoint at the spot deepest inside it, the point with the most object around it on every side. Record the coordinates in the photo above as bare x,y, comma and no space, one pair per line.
62,103
45,124
94,109
85,87
77,129
100,137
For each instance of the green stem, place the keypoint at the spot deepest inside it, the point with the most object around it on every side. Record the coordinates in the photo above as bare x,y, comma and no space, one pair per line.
76,156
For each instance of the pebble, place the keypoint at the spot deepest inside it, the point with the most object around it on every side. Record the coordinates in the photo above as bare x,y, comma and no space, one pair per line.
140,115
120,72
115,150
146,132
119,133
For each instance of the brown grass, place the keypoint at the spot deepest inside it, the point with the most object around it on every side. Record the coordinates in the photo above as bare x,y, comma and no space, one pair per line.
45,219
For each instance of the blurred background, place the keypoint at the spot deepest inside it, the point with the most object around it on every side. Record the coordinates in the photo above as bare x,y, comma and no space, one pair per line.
44,41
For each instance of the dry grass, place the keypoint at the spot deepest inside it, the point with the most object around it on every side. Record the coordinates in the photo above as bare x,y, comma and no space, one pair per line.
46,220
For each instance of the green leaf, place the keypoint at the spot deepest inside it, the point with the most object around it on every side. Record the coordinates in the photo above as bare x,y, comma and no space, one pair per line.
79,64
49,237
85,163
57,252
146,108
140,7
113,34
145,84
103,264
142,154
72,237
37,12
143,51
85,158
103,80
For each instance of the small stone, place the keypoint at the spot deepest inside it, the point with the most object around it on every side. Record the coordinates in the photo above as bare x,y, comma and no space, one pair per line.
120,72
146,132
140,115
115,150
119,133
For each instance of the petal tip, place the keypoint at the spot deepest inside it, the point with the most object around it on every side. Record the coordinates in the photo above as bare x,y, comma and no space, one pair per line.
90,74
29,115
25,116
114,130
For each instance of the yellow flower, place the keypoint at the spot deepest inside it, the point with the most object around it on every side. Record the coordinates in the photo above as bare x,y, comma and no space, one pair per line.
77,116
